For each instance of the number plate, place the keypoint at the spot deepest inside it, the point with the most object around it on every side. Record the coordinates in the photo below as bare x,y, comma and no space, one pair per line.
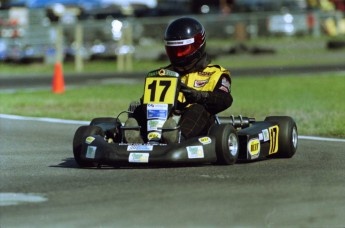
160,90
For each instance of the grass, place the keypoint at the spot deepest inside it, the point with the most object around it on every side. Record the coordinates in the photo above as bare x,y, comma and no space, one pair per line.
316,102
289,51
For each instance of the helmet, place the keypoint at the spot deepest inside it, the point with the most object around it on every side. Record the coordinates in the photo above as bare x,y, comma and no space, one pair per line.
185,42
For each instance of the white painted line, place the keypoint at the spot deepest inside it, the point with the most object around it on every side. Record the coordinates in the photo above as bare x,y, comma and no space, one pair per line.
321,138
12,198
54,120
49,120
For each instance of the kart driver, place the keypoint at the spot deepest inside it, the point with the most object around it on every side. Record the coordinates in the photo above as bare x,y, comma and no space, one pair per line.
206,88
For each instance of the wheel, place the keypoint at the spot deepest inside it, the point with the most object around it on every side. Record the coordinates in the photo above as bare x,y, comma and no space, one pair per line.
287,138
110,126
227,143
78,139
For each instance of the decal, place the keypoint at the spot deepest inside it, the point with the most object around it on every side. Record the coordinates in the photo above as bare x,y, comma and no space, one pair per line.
205,140
153,125
162,72
261,136
274,133
266,135
226,83
200,83
153,135
223,88
91,152
89,140
160,114
139,147
253,148
159,111
138,157
195,152
206,74
157,106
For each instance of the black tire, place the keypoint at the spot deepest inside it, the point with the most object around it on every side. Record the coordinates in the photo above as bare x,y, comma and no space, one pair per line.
287,138
227,143
110,126
78,140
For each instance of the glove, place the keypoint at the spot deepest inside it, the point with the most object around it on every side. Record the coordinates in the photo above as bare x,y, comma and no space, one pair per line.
194,96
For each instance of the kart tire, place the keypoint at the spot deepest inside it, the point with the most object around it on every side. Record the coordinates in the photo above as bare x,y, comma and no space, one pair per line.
110,126
78,140
287,138
227,143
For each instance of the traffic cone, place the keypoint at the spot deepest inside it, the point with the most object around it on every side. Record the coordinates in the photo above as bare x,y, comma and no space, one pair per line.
58,85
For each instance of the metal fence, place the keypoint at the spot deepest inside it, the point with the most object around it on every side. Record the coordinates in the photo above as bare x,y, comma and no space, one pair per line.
29,35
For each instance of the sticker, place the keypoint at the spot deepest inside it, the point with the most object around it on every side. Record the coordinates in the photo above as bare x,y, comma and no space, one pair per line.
153,135
253,148
205,140
139,147
91,152
157,107
153,125
195,152
200,83
261,136
266,135
89,139
274,133
206,74
138,157
159,111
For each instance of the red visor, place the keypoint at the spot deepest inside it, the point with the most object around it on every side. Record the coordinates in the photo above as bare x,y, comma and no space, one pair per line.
182,48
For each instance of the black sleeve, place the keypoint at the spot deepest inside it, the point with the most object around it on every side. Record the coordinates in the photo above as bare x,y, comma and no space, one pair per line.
220,98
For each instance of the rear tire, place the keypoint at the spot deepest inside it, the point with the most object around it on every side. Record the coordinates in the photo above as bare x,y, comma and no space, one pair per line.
288,136
78,141
227,143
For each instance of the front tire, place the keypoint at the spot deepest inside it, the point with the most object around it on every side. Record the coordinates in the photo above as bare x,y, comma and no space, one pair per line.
78,141
227,143
288,136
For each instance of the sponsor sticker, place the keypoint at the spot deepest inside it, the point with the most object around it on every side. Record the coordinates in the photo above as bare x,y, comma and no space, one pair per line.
139,147
153,135
91,152
138,157
89,139
159,111
205,140
266,135
195,152
153,125
261,136
253,148
200,83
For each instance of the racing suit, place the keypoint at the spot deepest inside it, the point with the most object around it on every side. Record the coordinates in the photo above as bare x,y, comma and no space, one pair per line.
204,93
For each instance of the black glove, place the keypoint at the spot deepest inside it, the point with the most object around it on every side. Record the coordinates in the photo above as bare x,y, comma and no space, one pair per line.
194,96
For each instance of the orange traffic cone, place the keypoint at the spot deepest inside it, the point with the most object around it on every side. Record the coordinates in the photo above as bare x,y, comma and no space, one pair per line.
58,85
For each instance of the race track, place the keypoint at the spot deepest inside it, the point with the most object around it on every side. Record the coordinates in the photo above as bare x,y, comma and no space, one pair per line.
36,163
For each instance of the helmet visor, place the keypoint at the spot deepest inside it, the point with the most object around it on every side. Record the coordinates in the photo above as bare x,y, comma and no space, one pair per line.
181,48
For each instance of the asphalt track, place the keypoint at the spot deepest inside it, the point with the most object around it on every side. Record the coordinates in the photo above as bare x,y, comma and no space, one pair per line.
36,165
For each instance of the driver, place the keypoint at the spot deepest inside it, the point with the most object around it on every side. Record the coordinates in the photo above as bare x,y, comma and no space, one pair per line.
205,90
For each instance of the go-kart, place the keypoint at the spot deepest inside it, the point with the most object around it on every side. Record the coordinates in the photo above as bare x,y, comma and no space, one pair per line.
229,139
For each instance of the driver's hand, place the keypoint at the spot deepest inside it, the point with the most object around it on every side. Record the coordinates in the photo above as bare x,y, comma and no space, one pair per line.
193,95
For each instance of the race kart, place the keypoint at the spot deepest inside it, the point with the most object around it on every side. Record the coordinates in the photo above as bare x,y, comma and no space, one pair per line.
229,139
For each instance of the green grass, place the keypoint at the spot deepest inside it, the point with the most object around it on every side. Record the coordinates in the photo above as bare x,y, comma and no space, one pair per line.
316,102
289,51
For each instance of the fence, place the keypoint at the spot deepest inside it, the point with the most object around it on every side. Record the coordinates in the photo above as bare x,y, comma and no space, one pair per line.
29,35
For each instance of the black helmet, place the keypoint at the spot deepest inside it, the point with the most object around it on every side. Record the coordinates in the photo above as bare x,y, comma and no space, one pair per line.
185,42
